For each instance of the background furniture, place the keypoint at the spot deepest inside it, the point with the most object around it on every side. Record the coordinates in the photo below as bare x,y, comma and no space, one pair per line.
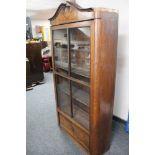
46,57
84,59
51,63
46,64
28,75
33,53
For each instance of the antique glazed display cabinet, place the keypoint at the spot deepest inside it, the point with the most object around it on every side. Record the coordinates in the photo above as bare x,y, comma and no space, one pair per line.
84,45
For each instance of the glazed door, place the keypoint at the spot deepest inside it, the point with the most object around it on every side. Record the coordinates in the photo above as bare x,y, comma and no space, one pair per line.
71,50
60,47
80,70
80,53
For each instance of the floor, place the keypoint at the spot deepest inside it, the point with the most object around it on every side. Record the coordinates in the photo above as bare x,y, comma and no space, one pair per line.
44,137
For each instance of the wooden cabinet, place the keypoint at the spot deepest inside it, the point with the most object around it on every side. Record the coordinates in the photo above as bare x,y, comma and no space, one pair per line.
84,45
33,54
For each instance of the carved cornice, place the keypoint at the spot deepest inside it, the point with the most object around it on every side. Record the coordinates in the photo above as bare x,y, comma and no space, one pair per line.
67,4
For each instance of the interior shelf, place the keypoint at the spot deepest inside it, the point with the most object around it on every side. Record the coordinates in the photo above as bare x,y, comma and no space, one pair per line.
65,107
64,88
64,103
62,65
80,71
75,70
78,94
79,115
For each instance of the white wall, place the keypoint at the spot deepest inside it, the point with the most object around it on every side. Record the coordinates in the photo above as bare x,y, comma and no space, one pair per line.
121,103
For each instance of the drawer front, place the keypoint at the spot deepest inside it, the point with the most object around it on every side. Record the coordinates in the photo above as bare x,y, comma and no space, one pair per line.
65,123
76,132
81,136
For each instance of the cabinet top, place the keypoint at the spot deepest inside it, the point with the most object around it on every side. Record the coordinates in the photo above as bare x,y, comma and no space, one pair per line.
71,12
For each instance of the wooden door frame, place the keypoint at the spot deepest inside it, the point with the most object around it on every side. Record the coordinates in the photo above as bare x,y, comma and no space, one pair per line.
91,24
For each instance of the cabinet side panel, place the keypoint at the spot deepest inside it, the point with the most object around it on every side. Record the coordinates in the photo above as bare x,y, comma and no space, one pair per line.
103,70
94,108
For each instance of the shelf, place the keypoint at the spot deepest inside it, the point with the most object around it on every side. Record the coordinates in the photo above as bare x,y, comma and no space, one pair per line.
61,65
79,115
80,95
77,93
61,48
80,71
81,82
65,108
74,69
73,121
63,88
80,49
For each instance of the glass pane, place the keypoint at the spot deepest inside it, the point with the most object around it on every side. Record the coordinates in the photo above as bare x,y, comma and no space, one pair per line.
80,102
80,53
60,50
63,94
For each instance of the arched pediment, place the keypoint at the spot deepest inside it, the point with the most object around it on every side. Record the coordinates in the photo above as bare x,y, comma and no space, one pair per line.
71,12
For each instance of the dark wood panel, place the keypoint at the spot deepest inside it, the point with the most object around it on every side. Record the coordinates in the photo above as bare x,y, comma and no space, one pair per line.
33,53
28,74
77,133
81,136
103,82
66,124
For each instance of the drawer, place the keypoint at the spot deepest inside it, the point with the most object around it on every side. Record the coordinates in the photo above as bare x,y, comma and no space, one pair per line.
65,123
81,136
76,132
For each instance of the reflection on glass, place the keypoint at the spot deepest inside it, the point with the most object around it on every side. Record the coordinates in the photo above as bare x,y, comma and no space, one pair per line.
60,49
63,94
80,102
73,98
80,53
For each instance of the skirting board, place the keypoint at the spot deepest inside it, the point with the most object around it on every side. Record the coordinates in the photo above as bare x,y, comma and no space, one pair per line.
119,119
